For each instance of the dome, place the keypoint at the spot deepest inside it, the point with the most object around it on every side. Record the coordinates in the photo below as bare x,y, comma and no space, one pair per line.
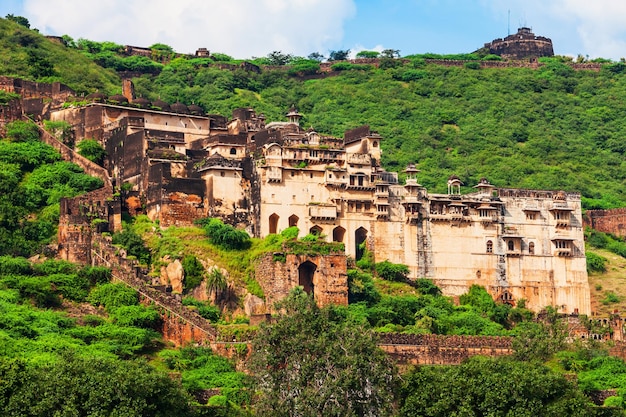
164,106
118,98
96,97
196,110
142,102
179,108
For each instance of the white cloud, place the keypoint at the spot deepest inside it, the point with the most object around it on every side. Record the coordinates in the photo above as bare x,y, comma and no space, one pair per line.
241,28
595,28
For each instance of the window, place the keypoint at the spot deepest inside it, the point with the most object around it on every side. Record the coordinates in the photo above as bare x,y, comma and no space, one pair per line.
233,151
531,248
375,144
222,173
531,215
511,245
489,246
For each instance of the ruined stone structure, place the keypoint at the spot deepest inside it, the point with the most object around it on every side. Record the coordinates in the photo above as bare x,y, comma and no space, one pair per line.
521,45
324,276
177,164
608,221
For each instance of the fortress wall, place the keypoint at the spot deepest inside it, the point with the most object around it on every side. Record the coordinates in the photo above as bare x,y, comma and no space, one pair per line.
608,221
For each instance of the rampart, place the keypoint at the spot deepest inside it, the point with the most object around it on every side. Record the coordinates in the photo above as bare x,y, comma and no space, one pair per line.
407,349
608,221
180,324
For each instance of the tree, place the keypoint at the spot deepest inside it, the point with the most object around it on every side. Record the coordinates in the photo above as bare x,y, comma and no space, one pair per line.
367,54
390,53
339,55
491,387
392,272
92,150
76,386
278,58
316,56
312,362
20,20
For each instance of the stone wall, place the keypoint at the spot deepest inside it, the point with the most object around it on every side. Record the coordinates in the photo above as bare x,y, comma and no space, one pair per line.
180,324
608,221
323,275
441,350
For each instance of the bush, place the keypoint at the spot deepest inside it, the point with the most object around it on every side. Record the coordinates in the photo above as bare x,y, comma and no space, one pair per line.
595,263
137,316
206,310
133,243
112,296
392,272
92,150
19,131
226,236
194,272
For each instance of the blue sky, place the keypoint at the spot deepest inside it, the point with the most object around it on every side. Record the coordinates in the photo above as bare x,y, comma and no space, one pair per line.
247,28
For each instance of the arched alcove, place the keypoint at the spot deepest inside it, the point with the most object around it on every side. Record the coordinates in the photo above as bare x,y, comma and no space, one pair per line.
274,223
293,220
360,236
306,272
316,230
338,234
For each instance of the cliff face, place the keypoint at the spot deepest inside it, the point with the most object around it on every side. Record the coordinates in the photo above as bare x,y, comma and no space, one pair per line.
522,45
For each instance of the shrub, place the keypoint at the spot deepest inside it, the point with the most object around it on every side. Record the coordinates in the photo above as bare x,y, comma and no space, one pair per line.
19,131
112,296
92,150
427,287
194,272
137,316
610,298
206,310
227,236
392,272
595,263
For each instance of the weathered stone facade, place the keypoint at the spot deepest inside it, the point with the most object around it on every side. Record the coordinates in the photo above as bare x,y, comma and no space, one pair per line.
608,221
324,276
521,45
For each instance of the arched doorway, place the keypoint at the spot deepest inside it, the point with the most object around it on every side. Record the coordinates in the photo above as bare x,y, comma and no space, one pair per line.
360,236
338,234
306,272
315,230
293,220
274,223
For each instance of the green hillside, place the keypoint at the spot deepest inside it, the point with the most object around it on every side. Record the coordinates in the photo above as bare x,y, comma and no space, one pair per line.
29,55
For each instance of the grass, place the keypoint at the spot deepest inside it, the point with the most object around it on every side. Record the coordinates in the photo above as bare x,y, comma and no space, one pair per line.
613,281
394,289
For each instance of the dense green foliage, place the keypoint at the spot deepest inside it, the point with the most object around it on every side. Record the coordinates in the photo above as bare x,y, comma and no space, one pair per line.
29,55
92,150
493,387
226,236
313,362
77,386
32,182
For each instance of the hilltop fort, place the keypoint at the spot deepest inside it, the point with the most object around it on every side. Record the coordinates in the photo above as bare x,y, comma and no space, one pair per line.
177,164
522,45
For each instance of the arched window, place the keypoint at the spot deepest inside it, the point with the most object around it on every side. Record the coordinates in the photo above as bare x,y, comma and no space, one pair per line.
338,234
531,248
233,151
315,230
273,223
489,246
293,220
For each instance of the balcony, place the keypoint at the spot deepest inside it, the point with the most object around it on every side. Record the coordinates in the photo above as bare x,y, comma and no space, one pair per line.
323,212
359,159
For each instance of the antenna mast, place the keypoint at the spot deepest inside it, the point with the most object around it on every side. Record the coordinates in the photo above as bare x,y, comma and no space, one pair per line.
508,28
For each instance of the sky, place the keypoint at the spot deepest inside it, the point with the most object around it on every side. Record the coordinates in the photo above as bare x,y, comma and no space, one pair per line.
254,28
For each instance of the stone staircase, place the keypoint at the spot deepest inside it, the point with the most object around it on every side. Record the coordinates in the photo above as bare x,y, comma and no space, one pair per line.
127,271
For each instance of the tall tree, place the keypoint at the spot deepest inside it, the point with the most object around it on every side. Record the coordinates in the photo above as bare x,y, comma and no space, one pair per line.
312,362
